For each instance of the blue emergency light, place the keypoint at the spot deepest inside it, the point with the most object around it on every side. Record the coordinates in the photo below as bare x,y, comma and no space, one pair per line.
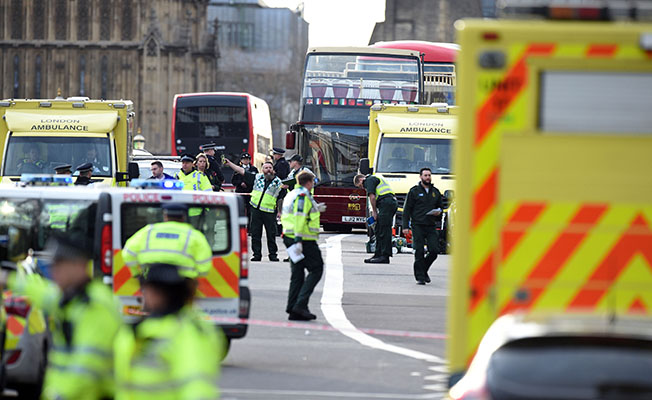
166,184
38,179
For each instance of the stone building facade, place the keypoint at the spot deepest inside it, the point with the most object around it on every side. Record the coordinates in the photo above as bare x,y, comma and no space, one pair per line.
262,52
430,20
141,50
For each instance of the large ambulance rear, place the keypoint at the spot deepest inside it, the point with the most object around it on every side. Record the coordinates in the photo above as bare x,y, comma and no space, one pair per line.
553,164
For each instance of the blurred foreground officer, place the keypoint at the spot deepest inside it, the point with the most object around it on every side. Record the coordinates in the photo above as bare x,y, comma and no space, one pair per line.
86,321
173,241
300,219
383,207
423,207
172,354
267,190
85,173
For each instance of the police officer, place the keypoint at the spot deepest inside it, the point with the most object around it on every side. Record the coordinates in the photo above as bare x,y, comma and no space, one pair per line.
85,173
296,166
423,208
33,163
300,218
172,353
264,197
383,207
238,180
192,179
213,164
86,321
173,241
63,169
281,166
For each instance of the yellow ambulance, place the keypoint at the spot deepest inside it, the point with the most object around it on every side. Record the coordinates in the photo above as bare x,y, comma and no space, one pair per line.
404,139
38,135
553,166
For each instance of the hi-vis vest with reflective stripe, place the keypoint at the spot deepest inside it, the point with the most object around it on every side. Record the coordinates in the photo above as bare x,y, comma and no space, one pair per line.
171,242
382,188
194,181
176,356
81,358
268,202
300,216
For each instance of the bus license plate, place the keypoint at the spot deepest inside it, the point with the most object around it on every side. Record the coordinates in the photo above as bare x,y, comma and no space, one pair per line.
347,218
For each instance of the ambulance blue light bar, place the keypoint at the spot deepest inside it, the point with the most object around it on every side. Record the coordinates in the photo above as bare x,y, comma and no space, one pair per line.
165,184
36,179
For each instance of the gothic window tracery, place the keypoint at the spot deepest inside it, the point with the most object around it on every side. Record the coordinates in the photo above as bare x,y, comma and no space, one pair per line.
83,19
16,76
39,19
37,77
104,73
82,76
60,19
16,19
105,20
127,13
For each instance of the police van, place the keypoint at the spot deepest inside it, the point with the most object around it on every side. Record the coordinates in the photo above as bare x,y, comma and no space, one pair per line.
112,215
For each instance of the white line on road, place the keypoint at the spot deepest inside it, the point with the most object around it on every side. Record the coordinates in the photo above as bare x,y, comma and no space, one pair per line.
331,306
313,393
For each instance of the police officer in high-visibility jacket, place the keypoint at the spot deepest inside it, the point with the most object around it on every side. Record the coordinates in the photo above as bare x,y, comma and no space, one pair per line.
191,178
173,353
86,321
383,207
300,219
173,241
267,190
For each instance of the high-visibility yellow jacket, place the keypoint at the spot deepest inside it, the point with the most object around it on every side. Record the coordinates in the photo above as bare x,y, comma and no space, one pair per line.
300,215
175,243
195,180
175,356
80,363
264,197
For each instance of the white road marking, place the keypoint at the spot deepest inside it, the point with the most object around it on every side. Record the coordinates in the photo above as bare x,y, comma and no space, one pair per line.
314,393
331,306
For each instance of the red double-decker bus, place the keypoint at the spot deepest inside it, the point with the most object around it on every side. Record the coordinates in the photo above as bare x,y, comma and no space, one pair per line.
240,122
332,134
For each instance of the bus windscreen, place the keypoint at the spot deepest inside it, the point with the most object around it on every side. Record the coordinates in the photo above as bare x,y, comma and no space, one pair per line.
211,117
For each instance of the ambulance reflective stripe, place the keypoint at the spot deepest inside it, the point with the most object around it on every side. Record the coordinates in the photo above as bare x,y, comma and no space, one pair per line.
538,255
222,280
15,329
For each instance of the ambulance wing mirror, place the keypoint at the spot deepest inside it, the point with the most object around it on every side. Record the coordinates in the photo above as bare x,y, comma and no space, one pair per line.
132,173
364,166
449,194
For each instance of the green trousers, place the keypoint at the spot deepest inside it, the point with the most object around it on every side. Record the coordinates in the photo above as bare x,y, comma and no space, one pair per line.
258,220
387,207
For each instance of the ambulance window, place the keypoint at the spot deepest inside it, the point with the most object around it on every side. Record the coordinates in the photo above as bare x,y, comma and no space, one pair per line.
212,221
595,102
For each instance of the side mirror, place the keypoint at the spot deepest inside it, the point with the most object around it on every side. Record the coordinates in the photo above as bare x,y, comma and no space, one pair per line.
133,171
364,166
449,195
290,139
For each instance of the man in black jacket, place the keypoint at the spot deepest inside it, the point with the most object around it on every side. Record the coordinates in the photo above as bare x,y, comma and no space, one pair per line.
281,166
423,207
239,182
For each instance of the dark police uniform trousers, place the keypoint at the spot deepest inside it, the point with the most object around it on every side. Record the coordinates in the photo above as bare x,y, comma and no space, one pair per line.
258,220
302,286
387,207
424,235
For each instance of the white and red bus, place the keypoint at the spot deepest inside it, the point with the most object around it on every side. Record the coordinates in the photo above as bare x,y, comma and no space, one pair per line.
238,121
439,77
332,134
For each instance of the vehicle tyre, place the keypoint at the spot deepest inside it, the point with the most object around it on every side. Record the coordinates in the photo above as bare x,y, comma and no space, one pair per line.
34,390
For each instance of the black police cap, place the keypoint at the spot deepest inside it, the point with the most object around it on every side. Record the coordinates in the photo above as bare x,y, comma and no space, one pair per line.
69,247
208,146
85,167
161,273
278,150
62,167
245,155
187,157
175,208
